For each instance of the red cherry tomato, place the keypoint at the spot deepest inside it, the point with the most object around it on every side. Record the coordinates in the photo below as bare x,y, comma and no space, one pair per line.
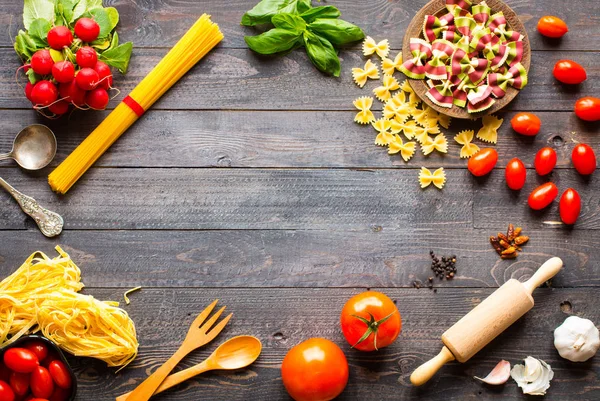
19,382
60,394
527,124
38,348
552,27
588,108
6,393
21,360
315,370
42,385
60,374
515,174
482,162
584,159
569,72
545,160
4,372
570,206
542,196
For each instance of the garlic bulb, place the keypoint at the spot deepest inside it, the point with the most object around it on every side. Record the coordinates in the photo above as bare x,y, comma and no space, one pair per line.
577,339
534,377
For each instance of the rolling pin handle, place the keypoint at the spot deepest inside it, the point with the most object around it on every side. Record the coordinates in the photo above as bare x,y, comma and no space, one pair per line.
548,270
426,371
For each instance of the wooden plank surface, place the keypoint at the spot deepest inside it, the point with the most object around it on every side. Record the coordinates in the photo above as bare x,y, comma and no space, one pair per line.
155,23
281,318
240,80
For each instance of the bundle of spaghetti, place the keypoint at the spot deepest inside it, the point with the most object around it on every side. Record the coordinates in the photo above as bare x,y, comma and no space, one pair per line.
195,44
42,295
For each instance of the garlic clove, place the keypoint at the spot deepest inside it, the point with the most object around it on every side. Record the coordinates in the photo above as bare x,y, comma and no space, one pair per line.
533,368
498,375
533,377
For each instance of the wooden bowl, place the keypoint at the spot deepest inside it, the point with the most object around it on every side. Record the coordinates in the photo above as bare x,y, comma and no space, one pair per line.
438,7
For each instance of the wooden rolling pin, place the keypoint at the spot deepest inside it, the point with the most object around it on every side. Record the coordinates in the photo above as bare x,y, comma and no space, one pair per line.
486,321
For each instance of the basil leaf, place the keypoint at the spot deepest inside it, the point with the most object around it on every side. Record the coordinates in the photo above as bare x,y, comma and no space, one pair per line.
289,21
38,32
118,56
25,46
266,9
100,15
320,12
337,31
34,9
274,41
322,54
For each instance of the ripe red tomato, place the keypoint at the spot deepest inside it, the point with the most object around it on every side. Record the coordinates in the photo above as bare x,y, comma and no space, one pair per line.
552,27
515,174
20,360
569,72
482,162
370,321
6,393
584,159
570,206
542,196
38,348
527,124
60,394
42,385
588,108
60,374
19,382
545,160
4,372
315,370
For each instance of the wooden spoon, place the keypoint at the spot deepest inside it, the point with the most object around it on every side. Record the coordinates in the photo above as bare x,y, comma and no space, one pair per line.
235,353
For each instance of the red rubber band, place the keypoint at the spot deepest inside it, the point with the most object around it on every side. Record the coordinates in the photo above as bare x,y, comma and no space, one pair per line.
135,106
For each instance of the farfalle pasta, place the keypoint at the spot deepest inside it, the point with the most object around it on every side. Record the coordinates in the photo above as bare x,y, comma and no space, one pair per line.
384,92
382,49
439,143
406,150
360,75
465,138
489,131
437,178
365,115
384,136
389,66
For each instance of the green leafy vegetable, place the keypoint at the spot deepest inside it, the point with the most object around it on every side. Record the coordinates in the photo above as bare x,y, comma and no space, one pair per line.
38,32
322,54
101,17
64,11
34,9
266,9
24,45
320,12
32,76
273,41
289,21
84,6
118,56
113,16
337,31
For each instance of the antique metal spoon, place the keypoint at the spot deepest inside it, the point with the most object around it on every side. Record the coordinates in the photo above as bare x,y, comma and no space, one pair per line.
33,149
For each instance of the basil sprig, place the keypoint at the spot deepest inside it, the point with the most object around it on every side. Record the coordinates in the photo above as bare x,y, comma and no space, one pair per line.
296,23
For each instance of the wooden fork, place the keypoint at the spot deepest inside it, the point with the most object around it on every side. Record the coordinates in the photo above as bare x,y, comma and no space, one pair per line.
197,336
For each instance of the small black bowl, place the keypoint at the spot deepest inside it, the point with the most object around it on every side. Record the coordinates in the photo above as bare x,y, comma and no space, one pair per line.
53,348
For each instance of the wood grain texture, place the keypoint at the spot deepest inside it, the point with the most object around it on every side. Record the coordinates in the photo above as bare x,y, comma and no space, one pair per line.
290,139
246,199
296,258
153,23
281,318
237,79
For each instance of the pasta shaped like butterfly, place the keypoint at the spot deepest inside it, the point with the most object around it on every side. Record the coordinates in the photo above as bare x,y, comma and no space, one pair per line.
365,115
438,143
444,120
361,75
468,149
390,66
437,178
397,108
370,46
384,92
489,131
409,128
407,150
382,126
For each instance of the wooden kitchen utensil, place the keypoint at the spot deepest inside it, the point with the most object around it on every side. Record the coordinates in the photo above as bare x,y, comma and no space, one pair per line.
197,336
235,353
486,321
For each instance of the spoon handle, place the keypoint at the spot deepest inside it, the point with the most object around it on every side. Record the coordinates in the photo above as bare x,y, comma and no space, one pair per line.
5,156
50,223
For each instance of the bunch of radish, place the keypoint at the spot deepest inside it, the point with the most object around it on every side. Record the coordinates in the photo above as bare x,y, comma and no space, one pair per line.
79,79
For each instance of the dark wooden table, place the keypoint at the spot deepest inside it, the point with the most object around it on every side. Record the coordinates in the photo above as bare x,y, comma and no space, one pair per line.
250,183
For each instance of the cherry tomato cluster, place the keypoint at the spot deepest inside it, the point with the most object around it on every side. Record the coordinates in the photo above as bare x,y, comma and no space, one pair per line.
33,373
317,369
81,80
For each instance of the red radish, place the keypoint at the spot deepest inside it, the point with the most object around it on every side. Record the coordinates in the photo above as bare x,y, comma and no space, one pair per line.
59,37
59,108
97,99
87,29
72,93
42,62
106,78
87,79
86,57
63,71
44,93
28,89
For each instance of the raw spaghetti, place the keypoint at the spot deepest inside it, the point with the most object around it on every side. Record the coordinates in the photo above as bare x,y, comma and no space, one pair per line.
195,44
42,295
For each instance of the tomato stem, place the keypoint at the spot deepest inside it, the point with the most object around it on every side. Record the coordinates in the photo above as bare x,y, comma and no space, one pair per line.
372,328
